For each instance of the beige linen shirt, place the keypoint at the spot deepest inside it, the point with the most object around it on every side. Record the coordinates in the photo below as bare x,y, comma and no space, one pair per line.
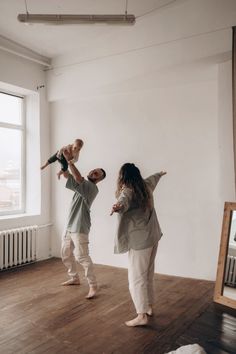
79,213
137,228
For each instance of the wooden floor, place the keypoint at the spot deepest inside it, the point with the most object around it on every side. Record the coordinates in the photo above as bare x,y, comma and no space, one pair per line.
37,315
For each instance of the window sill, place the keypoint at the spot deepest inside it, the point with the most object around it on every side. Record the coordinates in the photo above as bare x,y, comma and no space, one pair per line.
17,216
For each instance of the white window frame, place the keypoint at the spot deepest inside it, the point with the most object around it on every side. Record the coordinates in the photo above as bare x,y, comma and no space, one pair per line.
22,128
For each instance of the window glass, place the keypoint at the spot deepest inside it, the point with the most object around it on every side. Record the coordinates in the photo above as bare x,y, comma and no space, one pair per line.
10,109
10,170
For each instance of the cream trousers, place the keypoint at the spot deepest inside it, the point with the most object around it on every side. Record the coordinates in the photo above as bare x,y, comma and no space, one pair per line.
75,249
140,276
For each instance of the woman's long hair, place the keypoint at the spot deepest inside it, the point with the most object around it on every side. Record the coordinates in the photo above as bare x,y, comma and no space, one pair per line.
130,176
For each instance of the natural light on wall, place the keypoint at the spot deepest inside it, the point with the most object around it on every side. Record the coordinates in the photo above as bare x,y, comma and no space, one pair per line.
11,154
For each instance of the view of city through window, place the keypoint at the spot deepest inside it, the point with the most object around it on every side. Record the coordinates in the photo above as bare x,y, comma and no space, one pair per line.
11,130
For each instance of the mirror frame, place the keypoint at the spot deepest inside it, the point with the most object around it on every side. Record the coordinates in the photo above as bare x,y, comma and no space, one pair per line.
219,284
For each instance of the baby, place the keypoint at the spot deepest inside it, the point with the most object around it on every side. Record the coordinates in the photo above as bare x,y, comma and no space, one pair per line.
72,149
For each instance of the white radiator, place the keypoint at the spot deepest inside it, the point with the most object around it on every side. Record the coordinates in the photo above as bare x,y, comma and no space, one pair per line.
230,271
18,246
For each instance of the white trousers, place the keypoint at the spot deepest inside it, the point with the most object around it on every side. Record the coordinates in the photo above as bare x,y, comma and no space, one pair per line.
141,277
75,249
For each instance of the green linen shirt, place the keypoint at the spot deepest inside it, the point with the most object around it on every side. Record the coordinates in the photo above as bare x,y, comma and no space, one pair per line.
79,213
137,228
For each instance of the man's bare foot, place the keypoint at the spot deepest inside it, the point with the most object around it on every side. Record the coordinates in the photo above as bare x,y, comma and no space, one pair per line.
92,292
71,282
140,320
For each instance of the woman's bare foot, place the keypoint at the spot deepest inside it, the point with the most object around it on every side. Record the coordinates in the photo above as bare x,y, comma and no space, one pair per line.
140,320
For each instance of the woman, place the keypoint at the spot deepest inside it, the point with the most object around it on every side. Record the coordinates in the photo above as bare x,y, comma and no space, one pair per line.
138,234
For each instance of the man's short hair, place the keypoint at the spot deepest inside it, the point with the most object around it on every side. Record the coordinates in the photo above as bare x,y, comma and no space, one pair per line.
104,173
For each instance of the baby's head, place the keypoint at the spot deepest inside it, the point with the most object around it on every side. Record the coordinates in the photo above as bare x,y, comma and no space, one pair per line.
78,143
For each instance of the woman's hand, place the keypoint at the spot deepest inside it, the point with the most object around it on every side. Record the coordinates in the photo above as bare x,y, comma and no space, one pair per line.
116,207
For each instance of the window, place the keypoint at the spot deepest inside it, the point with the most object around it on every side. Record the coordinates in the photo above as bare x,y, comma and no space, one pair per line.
12,154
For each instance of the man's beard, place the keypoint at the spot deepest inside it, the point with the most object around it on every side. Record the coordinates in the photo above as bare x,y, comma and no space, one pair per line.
91,179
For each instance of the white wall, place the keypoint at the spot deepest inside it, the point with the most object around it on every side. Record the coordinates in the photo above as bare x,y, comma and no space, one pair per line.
26,76
162,107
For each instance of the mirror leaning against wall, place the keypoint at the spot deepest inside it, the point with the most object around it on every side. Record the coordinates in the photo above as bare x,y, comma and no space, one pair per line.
225,288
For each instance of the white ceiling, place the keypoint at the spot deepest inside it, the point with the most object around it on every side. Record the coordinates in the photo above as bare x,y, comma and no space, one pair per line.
55,40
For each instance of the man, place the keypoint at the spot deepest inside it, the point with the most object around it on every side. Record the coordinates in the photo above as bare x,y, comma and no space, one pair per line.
75,240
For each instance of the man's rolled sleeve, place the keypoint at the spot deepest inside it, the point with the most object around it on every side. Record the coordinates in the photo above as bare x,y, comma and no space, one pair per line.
73,185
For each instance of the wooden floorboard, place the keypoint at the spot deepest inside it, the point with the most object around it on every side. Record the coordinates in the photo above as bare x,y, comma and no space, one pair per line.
38,315
214,329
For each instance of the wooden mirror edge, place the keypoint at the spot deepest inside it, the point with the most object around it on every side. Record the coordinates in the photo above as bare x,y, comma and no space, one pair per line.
219,284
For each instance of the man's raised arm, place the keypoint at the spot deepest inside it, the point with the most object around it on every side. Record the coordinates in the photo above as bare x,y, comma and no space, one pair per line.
74,171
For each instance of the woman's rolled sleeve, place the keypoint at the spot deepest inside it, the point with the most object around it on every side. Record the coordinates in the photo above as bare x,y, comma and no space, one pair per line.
125,199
